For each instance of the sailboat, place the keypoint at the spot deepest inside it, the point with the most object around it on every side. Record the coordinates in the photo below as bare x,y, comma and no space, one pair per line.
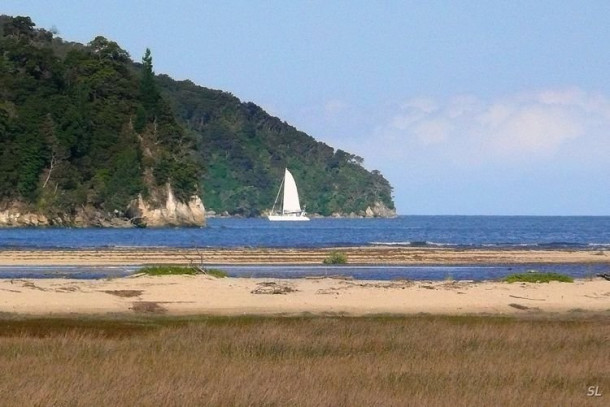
291,208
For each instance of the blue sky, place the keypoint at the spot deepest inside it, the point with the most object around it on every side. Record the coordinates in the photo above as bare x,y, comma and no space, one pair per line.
467,107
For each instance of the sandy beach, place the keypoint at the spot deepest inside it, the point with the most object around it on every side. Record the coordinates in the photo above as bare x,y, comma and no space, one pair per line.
179,295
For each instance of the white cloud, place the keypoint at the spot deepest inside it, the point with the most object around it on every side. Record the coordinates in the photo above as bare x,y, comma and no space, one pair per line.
467,130
533,130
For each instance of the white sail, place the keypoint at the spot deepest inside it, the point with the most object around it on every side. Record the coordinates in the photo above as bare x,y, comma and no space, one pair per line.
291,207
291,195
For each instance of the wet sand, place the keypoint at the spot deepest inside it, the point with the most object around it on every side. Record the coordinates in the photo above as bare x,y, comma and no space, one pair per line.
355,255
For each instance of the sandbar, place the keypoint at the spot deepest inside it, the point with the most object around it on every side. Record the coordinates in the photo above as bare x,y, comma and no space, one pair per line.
355,255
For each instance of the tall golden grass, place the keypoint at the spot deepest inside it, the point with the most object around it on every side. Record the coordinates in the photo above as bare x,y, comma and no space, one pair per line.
305,361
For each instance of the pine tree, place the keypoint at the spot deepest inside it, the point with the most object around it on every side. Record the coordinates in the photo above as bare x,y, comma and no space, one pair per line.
149,93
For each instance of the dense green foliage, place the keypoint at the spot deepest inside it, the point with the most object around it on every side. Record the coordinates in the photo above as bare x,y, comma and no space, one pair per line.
181,270
168,270
67,134
335,257
537,277
85,126
246,151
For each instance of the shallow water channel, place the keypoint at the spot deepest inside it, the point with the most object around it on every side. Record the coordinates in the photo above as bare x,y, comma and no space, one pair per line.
362,272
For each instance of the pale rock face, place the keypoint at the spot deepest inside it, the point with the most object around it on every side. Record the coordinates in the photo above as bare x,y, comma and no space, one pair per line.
13,217
379,210
175,213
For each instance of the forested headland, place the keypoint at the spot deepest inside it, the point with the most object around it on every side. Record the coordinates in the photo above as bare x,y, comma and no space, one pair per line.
90,137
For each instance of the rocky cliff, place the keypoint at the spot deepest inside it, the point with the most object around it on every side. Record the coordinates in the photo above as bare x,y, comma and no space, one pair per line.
377,210
173,213
140,213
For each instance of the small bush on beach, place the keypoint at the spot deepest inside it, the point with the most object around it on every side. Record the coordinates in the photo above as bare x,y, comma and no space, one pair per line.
537,277
168,270
181,270
335,258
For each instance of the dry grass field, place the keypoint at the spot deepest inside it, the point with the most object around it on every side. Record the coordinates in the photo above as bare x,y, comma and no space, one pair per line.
305,361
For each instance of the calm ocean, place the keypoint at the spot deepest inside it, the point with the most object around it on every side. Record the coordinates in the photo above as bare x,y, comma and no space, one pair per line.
502,232
453,231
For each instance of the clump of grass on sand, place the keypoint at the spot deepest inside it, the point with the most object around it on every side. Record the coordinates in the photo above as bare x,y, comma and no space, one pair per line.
218,273
537,277
335,257
181,270
168,270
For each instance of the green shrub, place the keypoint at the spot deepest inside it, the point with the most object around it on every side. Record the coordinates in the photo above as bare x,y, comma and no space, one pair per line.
537,277
168,270
335,258
218,273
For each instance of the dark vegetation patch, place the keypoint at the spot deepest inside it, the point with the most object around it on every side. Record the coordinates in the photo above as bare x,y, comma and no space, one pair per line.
148,307
81,126
125,293
52,327
117,326
537,277
335,257
169,270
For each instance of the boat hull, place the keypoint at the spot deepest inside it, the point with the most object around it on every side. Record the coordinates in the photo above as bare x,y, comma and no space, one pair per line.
288,218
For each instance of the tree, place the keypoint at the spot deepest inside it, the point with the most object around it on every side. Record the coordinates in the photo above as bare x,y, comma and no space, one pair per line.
19,27
108,50
58,153
149,93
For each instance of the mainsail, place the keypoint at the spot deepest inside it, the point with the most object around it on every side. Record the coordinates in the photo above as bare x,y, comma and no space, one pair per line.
291,195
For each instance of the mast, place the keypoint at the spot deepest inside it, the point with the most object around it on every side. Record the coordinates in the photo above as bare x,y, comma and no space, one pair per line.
278,195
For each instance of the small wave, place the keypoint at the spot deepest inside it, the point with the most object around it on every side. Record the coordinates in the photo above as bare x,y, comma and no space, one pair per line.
434,244
599,245
389,243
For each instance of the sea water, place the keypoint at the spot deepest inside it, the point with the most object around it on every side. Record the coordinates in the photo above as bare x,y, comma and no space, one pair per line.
497,232
414,231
